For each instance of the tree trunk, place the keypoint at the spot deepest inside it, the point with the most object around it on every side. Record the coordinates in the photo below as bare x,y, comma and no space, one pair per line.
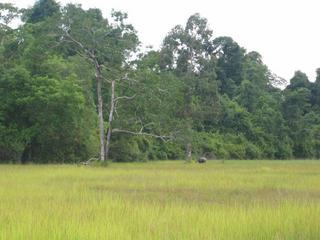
100,114
189,152
112,105
26,155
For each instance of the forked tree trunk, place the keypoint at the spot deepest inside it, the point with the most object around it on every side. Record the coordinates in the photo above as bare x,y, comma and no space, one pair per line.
112,105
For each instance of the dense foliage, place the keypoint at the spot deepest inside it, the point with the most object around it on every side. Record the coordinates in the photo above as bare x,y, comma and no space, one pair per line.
198,94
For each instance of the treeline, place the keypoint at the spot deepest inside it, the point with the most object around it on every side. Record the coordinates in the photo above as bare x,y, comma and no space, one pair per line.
75,85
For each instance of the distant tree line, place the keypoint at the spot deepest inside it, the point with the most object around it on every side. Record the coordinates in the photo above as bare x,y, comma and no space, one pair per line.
75,85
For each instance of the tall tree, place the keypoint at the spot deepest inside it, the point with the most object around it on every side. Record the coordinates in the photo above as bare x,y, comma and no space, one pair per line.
106,46
296,109
188,52
230,64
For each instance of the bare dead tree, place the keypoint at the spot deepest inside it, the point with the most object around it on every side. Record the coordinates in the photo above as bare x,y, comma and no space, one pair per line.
90,55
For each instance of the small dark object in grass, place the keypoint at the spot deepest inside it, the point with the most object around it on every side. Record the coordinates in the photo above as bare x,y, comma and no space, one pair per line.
202,160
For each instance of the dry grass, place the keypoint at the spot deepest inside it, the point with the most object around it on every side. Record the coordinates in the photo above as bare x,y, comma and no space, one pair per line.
162,200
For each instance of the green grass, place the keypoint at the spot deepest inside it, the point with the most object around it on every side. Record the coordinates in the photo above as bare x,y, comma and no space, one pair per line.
162,200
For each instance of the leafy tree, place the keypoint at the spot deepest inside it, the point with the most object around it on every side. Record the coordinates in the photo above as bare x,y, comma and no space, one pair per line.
300,80
230,64
42,10
46,116
296,108
187,52
315,91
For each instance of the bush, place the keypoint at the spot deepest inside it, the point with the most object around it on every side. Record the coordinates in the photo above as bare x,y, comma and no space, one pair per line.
128,150
224,146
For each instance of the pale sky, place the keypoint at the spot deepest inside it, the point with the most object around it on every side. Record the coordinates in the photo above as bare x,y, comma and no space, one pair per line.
285,32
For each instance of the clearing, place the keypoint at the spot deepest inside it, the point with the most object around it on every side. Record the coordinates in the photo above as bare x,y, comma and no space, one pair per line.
162,200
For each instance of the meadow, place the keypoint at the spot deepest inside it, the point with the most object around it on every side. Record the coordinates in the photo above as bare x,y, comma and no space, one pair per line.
161,200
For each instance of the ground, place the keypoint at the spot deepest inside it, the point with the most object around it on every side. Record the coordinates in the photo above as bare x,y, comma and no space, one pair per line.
162,200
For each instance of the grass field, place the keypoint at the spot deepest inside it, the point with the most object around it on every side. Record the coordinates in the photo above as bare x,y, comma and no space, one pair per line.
162,200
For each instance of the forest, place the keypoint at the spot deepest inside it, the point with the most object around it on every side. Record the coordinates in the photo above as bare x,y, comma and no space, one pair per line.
75,85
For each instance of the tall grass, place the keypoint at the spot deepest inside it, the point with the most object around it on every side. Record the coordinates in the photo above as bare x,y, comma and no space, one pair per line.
162,200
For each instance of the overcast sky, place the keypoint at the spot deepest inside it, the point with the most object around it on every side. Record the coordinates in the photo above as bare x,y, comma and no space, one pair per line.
285,32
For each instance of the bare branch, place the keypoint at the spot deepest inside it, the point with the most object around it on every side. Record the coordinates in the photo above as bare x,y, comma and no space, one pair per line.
87,51
124,97
162,137
276,81
163,90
